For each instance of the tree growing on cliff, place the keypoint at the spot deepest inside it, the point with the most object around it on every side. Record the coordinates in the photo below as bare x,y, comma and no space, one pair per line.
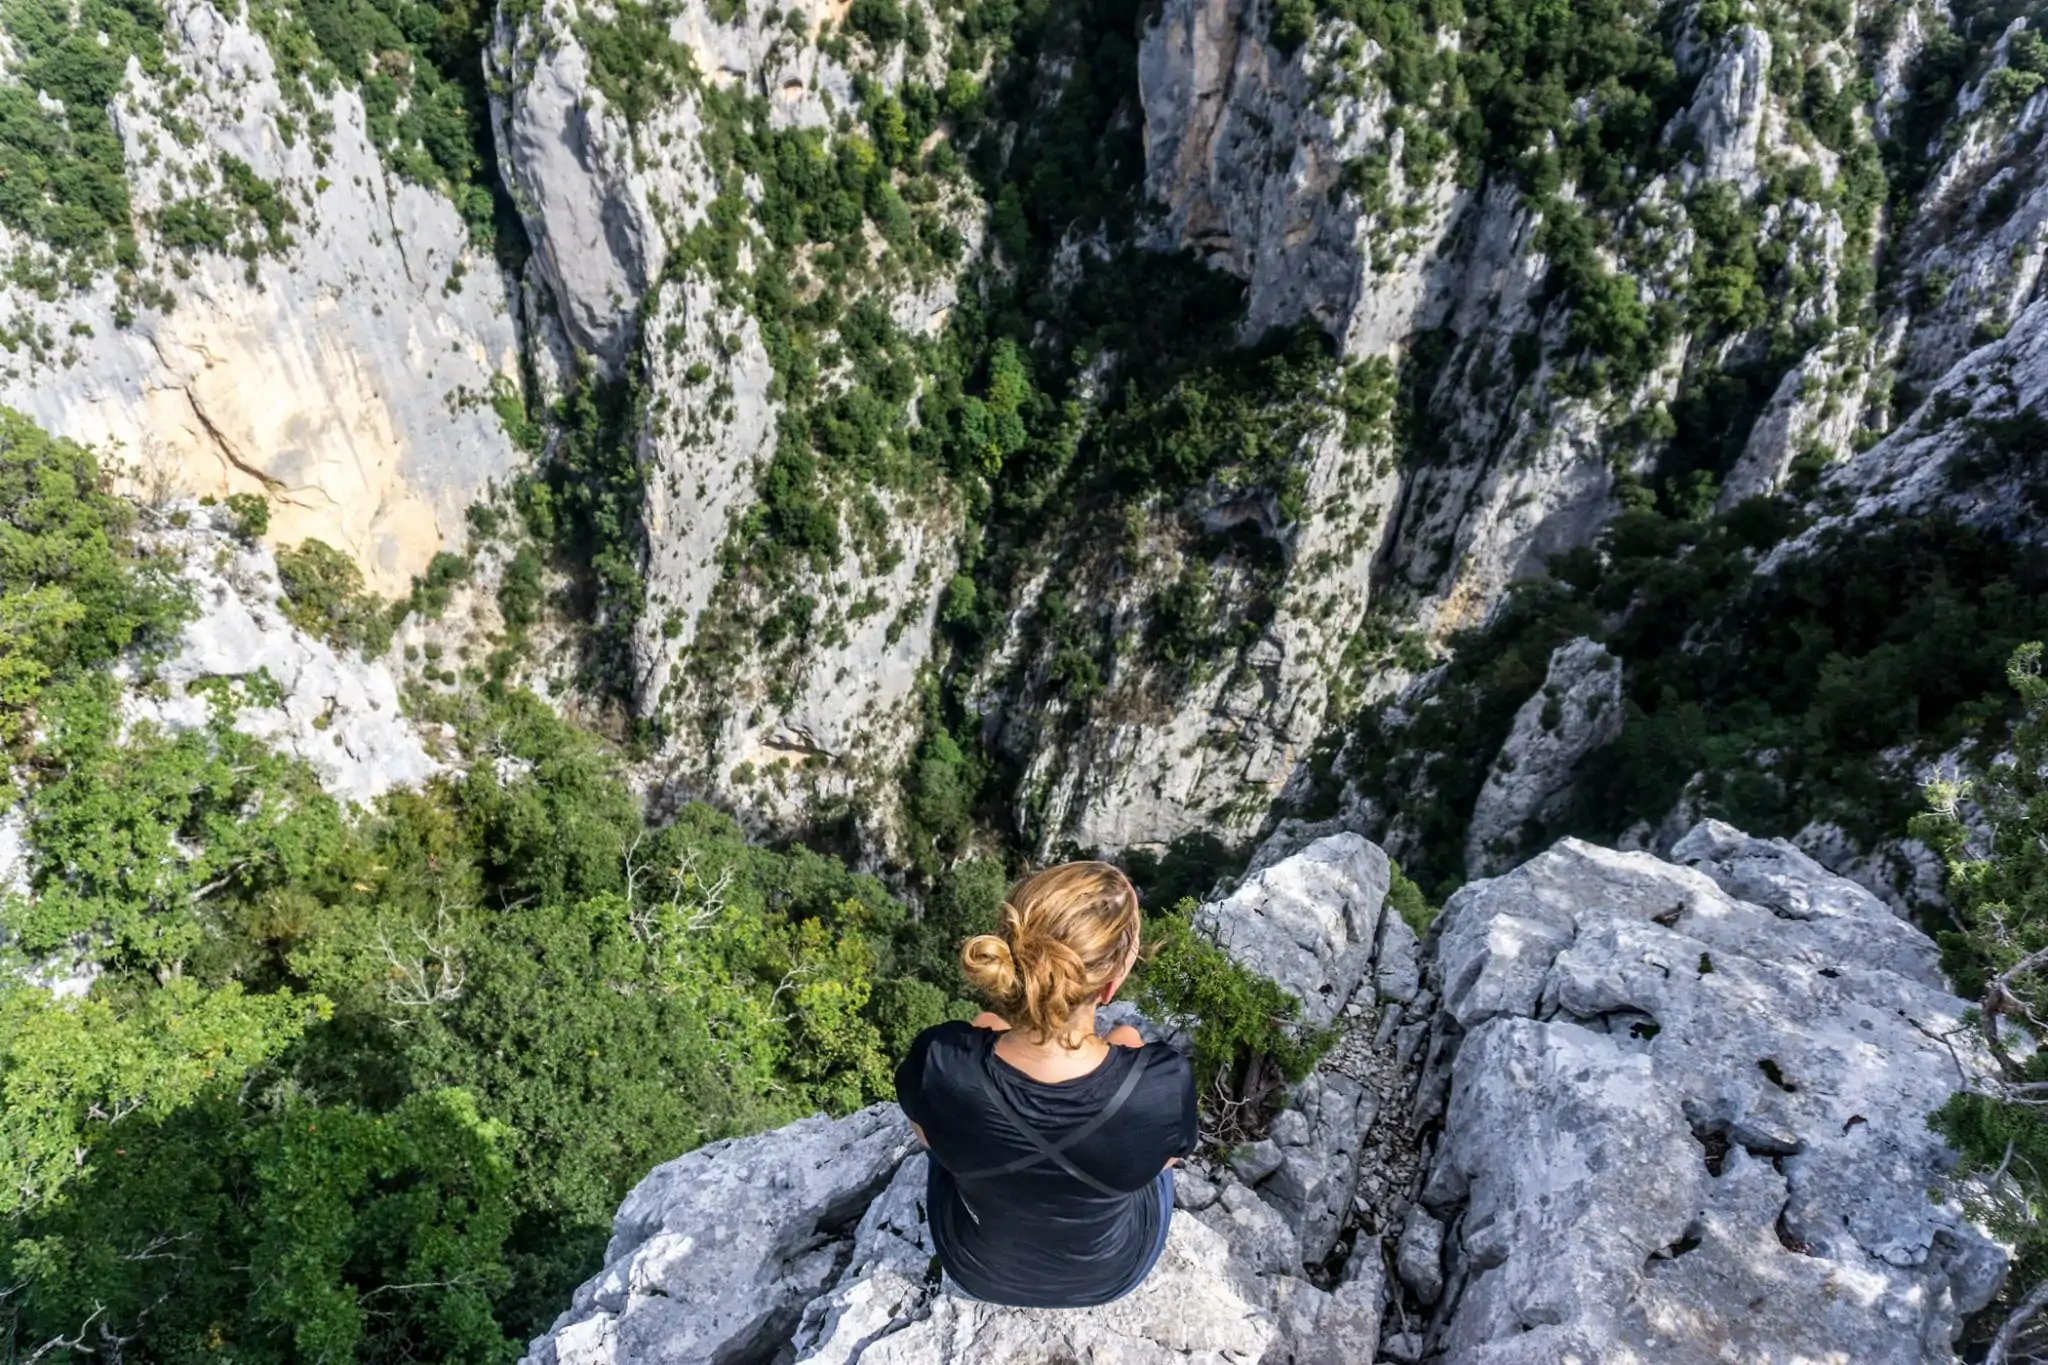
1998,886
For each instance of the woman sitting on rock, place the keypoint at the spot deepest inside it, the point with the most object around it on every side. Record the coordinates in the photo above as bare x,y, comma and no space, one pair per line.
1050,1179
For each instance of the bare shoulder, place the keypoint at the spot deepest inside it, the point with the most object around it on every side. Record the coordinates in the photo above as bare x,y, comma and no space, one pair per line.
1123,1035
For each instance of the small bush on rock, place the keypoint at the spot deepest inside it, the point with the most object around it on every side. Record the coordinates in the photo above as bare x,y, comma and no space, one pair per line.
324,596
250,516
1248,1037
1408,901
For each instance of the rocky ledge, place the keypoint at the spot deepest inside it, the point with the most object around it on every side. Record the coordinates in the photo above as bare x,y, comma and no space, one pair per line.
1613,1108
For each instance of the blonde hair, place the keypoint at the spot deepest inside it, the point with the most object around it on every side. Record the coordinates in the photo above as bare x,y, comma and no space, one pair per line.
1066,933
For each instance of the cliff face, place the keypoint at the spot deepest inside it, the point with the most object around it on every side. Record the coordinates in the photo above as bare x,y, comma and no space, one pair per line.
318,330
1300,174
1771,280
1626,1109
1577,710
818,713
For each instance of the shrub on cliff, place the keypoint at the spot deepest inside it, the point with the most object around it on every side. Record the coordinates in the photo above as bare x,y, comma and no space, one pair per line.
324,596
73,591
1997,858
1247,1034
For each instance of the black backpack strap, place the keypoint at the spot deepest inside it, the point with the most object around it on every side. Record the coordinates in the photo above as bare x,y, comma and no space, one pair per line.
1056,1152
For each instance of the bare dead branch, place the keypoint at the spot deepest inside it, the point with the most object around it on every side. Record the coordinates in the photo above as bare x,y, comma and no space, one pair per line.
2015,1322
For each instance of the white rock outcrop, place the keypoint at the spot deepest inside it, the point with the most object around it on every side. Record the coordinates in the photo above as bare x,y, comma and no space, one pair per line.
1231,739
605,198
716,1253
809,1244
1310,921
1726,118
1683,1116
1973,450
1317,922
710,426
822,722
774,714
1975,248
343,377
599,241
339,712
1577,710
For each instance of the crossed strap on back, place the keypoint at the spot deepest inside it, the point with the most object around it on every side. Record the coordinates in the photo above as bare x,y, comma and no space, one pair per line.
1054,1152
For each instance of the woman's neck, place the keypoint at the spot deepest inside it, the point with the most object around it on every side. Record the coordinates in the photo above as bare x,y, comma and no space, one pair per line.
1054,1059
1077,1035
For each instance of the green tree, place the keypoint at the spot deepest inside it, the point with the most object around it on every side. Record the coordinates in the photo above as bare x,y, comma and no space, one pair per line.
324,596
1998,887
72,1070
278,1232
73,593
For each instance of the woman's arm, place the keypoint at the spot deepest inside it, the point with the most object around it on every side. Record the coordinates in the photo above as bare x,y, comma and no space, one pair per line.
1123,1035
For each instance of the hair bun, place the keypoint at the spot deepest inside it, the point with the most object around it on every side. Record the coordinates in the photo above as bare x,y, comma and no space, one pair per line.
1066,933
990,966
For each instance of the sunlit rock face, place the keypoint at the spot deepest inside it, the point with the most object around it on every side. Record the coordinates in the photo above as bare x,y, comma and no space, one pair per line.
343,375
778,731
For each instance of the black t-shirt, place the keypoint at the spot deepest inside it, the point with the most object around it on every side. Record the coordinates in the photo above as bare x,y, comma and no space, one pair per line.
1037,1237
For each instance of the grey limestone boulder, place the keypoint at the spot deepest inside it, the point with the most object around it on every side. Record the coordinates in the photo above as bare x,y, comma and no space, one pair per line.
1254,1161
809,1245
1198,1305
1419,1256
1577,710
1308,922
1223,1293
1318,1136
1684,1116
716,1254
1835,912
1317,922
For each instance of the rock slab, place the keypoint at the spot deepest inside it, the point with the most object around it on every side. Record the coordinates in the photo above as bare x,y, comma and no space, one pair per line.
1308,922
1684,1116
1577,710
